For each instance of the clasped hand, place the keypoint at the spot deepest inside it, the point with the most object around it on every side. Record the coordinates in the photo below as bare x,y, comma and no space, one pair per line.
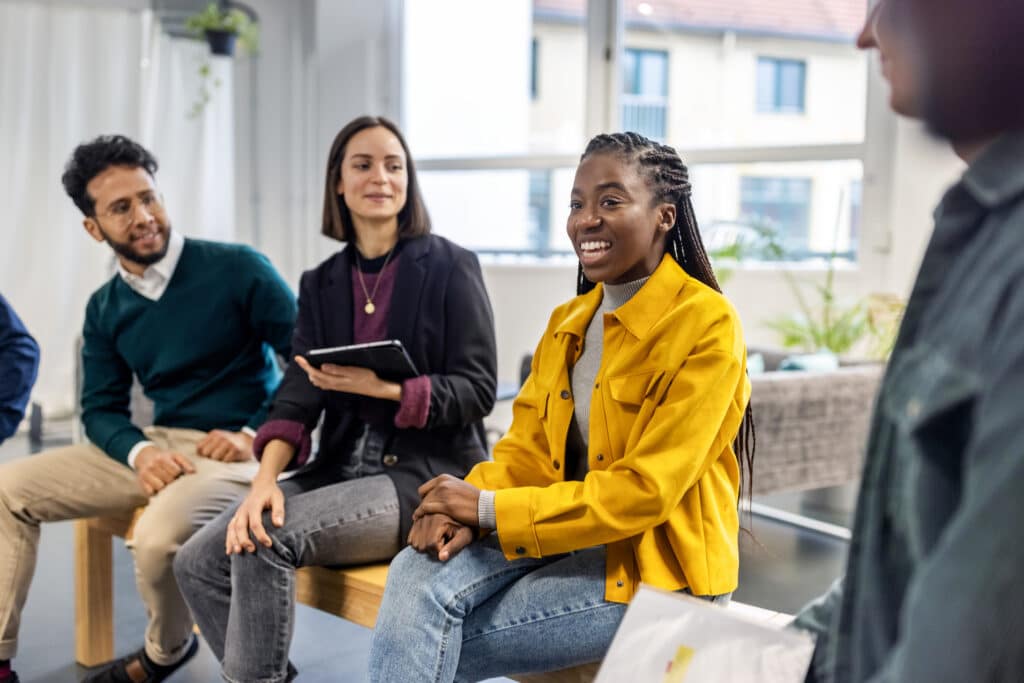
445,520
155,467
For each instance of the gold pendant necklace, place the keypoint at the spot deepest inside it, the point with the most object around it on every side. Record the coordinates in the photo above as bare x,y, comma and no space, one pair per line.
369,307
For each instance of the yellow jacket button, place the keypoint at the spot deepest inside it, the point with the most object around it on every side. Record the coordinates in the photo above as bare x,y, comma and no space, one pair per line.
564,394
520,550
557,465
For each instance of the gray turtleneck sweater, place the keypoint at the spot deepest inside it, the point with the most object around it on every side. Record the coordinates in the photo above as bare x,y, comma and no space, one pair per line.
581,377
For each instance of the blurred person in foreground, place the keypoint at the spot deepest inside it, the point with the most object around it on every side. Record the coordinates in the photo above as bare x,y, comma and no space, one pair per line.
932,590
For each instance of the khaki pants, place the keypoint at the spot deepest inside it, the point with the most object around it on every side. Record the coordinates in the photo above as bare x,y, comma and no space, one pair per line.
81,481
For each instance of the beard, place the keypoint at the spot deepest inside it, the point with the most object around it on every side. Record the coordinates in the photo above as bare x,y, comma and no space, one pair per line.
126,251
971,66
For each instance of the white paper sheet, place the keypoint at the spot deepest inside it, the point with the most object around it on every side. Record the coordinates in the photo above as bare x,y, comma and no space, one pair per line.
674,638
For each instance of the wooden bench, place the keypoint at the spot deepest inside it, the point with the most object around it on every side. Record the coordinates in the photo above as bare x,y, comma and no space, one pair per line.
354,594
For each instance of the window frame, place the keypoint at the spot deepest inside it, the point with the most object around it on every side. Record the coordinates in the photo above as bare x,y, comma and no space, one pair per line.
534,70
748,181
656,103
777,106
605,29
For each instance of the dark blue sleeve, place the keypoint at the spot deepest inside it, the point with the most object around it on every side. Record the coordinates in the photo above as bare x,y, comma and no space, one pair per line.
19,363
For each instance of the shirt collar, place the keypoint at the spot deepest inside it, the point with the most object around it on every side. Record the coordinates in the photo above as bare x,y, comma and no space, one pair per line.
162,269
997,175
640,313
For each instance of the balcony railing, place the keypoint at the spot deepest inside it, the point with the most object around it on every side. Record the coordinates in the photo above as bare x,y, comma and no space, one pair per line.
645,115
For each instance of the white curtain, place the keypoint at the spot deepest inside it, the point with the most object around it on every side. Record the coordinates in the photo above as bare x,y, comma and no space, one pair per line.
69,74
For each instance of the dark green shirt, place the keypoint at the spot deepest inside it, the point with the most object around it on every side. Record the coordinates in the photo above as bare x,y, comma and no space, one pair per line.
203,352
934,586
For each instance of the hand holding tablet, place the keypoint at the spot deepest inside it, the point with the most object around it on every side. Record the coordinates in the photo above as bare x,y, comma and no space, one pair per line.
374,369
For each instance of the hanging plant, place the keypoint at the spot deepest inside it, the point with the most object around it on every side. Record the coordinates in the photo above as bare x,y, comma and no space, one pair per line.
222,27
208,84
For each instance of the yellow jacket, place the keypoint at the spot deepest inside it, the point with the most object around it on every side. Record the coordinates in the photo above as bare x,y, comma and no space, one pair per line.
663,484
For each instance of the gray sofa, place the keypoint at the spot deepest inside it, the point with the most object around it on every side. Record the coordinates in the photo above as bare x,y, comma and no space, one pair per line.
811,426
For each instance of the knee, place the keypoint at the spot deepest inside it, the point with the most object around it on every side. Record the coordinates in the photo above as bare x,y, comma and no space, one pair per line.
200,556
418,576
409,570
154,544
13,477
153,556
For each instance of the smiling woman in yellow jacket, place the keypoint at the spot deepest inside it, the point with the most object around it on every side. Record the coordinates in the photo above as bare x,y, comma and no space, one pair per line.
621,463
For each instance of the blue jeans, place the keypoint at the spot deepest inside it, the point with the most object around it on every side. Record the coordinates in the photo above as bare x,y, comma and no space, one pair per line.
245,604
479,615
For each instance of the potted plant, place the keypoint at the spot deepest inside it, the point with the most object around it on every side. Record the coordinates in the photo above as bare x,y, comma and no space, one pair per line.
222,26
822,323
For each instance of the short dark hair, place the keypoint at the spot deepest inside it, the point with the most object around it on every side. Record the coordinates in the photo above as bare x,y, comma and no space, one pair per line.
413,219
92,158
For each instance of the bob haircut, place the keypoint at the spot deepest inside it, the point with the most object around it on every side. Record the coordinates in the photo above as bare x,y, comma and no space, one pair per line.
413,219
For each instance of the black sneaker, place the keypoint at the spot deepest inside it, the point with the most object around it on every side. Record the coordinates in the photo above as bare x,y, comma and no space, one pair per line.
117,670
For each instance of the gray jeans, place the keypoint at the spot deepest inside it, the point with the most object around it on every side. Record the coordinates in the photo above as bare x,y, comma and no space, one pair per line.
245,604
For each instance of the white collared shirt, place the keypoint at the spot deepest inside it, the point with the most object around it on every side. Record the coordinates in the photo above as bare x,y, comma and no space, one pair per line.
154,280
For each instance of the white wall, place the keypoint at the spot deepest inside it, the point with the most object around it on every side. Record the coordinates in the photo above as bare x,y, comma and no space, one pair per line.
923,169
72,71
321,64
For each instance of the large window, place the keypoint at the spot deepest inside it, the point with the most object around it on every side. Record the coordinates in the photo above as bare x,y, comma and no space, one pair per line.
540,210
498,137
779,207
645,92
780,85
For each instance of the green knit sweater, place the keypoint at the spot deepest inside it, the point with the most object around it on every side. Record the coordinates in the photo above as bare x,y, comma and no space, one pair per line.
204,352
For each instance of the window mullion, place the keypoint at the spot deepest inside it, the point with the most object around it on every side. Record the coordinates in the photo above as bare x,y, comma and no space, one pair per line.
604,57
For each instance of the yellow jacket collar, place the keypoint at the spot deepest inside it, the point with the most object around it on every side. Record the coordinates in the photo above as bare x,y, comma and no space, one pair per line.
639,314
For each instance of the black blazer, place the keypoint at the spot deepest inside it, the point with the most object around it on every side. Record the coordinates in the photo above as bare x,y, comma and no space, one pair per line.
442,315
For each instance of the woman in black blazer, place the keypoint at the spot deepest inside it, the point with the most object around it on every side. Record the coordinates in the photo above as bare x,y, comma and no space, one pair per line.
379,441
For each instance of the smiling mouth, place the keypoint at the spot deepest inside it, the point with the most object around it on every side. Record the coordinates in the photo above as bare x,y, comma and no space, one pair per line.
148,235
592,251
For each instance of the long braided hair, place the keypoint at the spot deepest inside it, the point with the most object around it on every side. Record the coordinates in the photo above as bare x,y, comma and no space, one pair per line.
669,181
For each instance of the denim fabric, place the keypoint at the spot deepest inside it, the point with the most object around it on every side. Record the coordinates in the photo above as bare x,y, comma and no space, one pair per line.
932,590
366,456
245,604
480,615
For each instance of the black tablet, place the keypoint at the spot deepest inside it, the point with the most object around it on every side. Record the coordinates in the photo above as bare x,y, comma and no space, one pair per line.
387,358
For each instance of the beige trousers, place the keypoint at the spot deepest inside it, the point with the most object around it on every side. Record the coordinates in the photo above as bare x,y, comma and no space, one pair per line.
81,481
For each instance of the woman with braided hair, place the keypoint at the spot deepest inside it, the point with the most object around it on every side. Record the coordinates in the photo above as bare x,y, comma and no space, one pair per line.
622,464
